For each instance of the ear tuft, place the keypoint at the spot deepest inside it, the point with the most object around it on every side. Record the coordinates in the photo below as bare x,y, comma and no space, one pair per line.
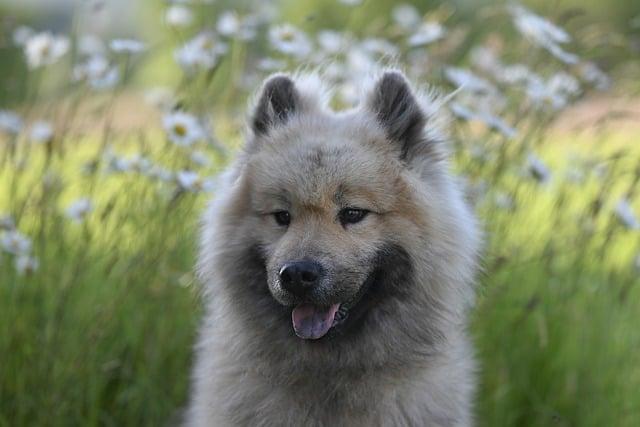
278,101
398,111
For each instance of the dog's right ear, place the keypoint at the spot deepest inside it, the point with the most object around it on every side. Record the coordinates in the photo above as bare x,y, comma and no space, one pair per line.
278,101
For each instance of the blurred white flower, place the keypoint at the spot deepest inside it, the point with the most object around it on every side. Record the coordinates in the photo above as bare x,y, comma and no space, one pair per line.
79,209
97,72
537,169
26,264
200,158
228,23
160,173
468,81
497,124
590,73
128,46
182,129
178,16
490,120
406,16
45,49
90,44
162,98
203,51
462,112
626,215
271,64
15,243
351,2
10,122
41,132
379,46
191,181
564,84
289,40
543,33
7,223
22,34
427,33
331,41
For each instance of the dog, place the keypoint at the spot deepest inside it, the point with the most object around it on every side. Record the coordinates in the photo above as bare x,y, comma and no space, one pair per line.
338,259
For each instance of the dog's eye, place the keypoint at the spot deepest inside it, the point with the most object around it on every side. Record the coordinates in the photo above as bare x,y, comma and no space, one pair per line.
282,217
351,215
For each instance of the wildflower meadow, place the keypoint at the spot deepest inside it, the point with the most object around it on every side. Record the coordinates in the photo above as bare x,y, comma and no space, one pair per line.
116,118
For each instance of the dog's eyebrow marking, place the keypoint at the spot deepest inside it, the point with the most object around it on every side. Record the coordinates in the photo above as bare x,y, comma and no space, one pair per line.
338,196
281,195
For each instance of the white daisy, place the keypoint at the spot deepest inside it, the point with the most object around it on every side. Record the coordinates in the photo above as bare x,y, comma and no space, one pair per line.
331,41
22,34
15,242
160,173
427,33
590,73
26,264
626,215
178,16
41,132
200,158
543,33
160,97
290,40
79,209
128,46
7,223
191,181
10,122
467,80
228,23
45,49
271,64
90,44
97,72
406,16
203,51
182,129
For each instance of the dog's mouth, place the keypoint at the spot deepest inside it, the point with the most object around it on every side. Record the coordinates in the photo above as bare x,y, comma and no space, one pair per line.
312,322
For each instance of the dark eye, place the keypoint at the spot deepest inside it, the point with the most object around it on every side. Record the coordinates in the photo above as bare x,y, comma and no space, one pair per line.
282,217
351,215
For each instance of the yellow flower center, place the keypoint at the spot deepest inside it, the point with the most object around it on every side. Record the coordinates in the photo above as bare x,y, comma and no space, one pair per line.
180,129
288,36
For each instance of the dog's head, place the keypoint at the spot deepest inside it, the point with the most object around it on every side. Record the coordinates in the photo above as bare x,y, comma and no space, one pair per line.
335,202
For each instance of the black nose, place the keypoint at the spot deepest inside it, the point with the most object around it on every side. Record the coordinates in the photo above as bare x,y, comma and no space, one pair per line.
299,277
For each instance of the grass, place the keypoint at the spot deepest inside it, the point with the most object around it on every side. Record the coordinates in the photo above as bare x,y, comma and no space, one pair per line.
101,333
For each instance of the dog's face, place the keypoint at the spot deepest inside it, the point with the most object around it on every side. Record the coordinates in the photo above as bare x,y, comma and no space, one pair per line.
327,197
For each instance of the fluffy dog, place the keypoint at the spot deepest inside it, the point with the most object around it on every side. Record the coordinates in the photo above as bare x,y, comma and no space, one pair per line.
338,258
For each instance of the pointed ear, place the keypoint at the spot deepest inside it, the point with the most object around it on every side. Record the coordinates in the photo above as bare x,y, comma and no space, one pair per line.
397,111
278,101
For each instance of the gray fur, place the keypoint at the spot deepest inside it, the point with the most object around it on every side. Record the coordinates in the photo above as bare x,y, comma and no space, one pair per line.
402,358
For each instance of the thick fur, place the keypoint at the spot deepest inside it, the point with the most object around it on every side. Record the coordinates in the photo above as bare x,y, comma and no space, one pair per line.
402,358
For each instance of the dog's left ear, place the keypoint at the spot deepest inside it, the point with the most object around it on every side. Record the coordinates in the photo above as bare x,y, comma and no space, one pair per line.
278,101
398,111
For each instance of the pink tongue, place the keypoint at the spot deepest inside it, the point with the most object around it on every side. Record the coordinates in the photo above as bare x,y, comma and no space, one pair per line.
312,322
